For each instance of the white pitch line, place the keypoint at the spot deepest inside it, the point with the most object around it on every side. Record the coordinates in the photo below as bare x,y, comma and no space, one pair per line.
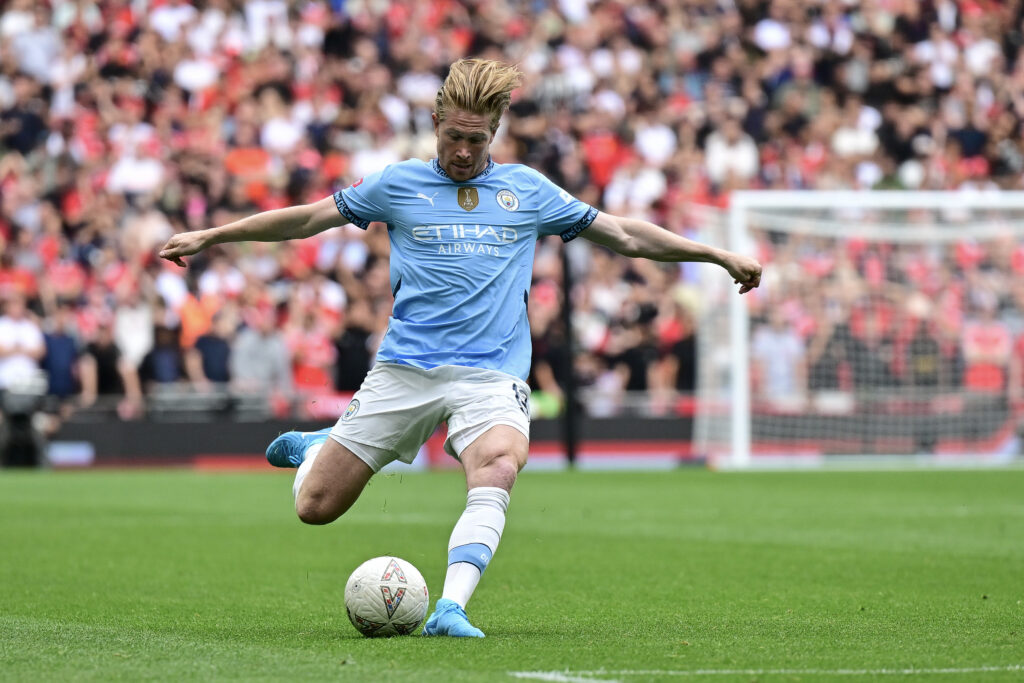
557,677
589,676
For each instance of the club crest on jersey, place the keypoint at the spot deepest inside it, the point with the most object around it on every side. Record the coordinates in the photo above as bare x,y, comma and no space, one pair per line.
353,408
507,200
468,198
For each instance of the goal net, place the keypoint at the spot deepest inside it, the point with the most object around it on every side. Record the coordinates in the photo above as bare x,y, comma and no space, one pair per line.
889,326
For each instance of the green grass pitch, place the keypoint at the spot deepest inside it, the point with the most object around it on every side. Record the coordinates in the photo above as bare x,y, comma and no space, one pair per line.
685,575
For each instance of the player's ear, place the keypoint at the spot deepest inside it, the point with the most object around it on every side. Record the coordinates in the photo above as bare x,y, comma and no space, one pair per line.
437,121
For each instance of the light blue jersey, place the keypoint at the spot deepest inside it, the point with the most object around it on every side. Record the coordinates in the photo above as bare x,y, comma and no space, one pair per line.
462,258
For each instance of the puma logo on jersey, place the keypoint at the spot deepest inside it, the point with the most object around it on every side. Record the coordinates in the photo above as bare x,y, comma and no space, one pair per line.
429,199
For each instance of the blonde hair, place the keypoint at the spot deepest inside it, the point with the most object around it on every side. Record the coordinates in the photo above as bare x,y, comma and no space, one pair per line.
479,86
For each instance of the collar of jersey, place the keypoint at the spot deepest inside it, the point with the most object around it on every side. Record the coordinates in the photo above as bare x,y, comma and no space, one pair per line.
440,171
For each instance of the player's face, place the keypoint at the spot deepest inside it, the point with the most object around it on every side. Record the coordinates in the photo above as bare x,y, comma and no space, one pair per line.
463,143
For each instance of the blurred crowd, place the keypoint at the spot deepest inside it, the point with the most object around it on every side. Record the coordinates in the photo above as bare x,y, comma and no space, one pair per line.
123,122
889,323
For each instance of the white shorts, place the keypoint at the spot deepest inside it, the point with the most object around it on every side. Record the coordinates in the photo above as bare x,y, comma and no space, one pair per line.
398,407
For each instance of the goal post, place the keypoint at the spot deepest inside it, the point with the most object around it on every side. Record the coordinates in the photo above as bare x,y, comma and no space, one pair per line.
889,327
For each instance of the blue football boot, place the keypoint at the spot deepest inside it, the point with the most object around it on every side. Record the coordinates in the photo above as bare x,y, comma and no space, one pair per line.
289,449
449,619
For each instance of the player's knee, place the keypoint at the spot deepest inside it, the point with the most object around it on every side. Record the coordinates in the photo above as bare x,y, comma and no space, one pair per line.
501,472
312,514
314,509
508,470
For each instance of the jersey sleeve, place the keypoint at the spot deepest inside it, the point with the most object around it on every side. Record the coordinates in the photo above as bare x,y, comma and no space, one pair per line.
365,200
559,213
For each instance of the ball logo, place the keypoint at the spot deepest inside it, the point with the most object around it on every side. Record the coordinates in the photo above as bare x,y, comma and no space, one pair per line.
353,408
391,600
507,200
405,629
394,569
364,623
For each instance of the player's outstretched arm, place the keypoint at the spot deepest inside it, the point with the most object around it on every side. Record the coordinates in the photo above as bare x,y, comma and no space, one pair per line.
278,225
637,238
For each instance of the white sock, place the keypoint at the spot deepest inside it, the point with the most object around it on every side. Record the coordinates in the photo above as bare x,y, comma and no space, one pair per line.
474,540
305,467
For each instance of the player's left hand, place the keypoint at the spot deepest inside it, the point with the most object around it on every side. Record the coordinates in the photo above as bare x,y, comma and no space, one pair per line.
183,244
745,271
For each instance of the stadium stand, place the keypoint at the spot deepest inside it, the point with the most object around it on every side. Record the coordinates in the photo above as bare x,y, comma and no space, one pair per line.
122,123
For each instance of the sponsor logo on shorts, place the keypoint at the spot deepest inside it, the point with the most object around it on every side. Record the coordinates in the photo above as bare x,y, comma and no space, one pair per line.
507,200
353,408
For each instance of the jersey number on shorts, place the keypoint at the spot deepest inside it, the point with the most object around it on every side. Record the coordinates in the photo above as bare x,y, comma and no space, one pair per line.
522,398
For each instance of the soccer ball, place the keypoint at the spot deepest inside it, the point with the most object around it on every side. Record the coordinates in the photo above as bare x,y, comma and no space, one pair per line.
386,596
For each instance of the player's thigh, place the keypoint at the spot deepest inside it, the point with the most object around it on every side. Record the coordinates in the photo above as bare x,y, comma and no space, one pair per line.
495,457
333,483
489,426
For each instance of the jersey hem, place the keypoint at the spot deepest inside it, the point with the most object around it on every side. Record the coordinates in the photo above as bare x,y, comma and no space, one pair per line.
407,364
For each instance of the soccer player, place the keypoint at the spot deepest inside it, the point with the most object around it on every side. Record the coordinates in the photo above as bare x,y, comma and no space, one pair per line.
462,231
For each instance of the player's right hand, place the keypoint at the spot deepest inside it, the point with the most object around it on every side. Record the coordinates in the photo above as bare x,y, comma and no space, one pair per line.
183,244
746,272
